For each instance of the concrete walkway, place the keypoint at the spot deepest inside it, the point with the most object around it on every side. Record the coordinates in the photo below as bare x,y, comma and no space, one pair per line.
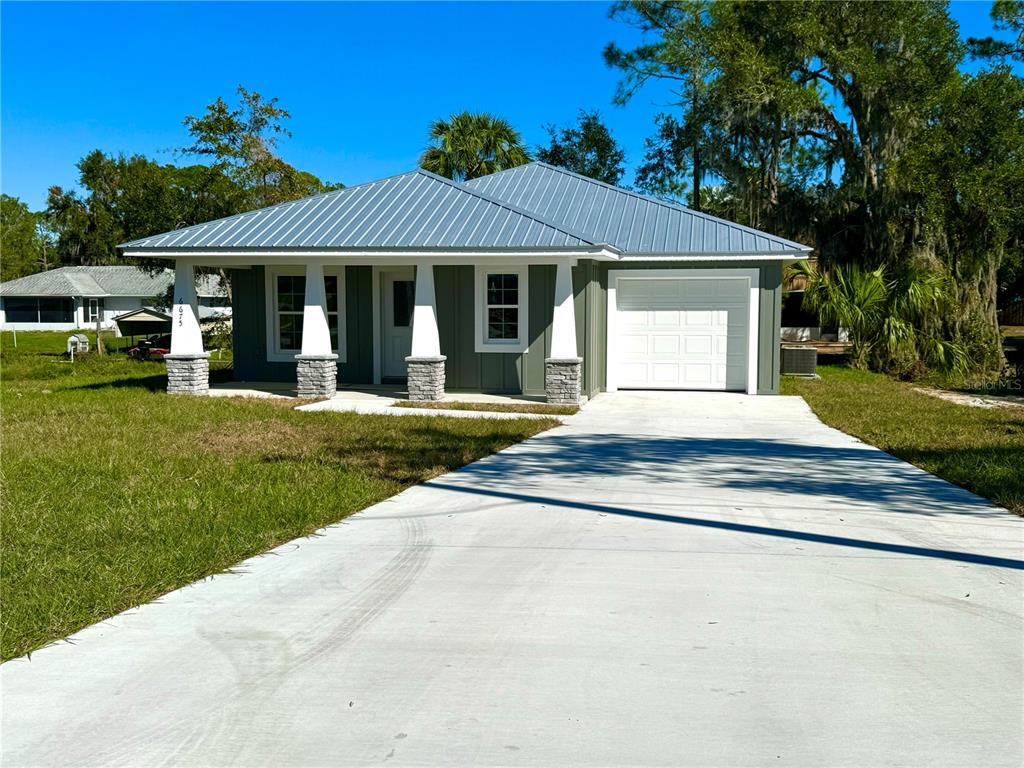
668,579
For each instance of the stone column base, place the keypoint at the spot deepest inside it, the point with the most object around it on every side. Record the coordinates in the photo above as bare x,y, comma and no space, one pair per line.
188,374
426,377
563,380
317,375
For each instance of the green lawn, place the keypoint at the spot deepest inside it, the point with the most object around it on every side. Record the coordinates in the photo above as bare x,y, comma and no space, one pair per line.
114,492
977,448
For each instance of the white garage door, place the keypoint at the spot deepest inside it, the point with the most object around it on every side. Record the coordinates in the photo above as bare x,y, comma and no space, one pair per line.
682,333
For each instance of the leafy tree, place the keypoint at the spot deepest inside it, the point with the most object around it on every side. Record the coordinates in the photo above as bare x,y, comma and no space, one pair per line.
1006,15
20,245
587,148
129,197
968,172
682,54
242,143
124,198
469,145
813,87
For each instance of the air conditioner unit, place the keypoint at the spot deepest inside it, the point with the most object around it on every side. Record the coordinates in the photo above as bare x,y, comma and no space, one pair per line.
799,360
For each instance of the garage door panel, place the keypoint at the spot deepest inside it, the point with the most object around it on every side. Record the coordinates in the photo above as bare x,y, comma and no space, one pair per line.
633,374
665,318
635,345
665,374
702,345
666,345
698,375
682,333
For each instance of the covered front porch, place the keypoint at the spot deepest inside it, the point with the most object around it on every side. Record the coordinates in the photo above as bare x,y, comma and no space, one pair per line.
422,329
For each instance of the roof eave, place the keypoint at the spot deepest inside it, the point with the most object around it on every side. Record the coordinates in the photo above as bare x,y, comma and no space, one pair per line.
787,255
597,252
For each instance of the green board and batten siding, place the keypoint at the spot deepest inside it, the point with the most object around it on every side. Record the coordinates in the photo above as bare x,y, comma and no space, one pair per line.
249,328
466,369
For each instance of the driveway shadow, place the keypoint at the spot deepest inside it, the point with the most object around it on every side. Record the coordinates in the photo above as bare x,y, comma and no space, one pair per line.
861,475
726,525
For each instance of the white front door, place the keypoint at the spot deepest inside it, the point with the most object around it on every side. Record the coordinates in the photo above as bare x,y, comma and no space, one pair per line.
397,298
680,333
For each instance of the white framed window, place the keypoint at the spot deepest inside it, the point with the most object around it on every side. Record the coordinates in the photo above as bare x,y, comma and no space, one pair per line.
93,310
285,300
502,308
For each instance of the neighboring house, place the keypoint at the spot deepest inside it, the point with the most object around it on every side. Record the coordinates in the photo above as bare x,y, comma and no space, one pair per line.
534,280
67,298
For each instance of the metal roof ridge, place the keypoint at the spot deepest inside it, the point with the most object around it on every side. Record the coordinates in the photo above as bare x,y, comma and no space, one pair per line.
461,186
665,203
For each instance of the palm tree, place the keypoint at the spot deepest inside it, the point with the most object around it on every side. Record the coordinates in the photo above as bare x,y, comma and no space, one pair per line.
469,145
888,318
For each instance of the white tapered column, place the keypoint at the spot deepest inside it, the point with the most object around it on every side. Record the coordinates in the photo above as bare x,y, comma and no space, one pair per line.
186,338
563,369
317,365
188,367
425,365
316,334
426,341
563,322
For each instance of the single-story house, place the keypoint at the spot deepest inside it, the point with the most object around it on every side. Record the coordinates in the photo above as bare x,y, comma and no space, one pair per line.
532,281
68,298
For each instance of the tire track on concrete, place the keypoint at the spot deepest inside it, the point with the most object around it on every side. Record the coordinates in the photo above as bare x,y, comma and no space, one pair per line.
262,660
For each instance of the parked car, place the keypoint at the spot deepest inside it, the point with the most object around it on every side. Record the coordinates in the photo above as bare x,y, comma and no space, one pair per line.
153,348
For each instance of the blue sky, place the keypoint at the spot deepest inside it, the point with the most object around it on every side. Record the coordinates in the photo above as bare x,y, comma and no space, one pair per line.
363,81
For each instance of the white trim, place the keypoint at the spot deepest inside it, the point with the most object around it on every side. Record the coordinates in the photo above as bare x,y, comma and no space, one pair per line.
377,335
439,257
481,343
752,276
778,256
270,274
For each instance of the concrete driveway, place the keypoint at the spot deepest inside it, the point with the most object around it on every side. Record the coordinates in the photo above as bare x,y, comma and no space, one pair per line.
670,579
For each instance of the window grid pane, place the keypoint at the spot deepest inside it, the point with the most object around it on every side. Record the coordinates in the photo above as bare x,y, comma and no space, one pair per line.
503,323
331,285
502,306
290,332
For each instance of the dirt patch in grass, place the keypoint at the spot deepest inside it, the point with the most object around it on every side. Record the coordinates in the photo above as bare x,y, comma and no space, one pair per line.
259,436
974,401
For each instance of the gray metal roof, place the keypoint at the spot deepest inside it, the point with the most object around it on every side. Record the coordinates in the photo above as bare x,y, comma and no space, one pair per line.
143,315
103,281
413,210
632,223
